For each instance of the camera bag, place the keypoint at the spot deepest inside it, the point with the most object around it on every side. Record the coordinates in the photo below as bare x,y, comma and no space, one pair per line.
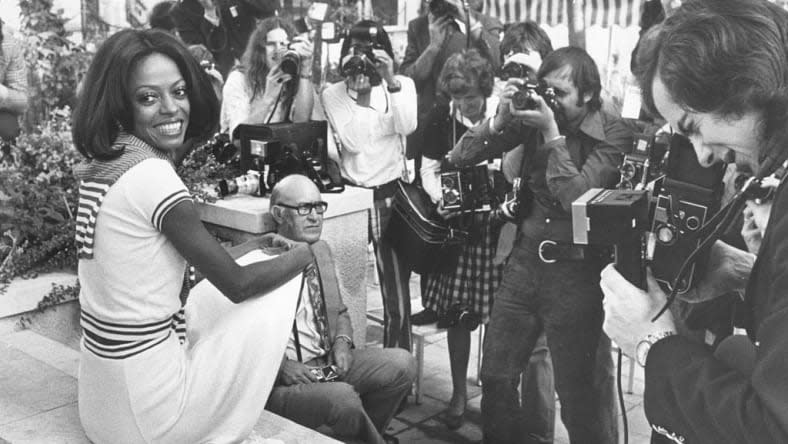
420,239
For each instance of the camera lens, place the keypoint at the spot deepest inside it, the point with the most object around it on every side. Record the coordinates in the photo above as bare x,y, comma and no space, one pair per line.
290,62
628,171
692,223
665,234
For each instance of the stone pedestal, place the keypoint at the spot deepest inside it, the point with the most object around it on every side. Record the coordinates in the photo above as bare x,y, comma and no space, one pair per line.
240,218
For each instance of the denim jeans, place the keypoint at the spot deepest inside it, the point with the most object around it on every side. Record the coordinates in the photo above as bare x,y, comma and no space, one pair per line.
564,300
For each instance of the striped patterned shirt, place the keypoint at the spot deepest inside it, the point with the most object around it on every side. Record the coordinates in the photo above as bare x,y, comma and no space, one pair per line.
13,75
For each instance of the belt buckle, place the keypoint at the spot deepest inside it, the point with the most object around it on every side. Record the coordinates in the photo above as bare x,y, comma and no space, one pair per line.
541,251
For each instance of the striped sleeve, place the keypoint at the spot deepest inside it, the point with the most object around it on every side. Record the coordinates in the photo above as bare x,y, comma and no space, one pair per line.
154,189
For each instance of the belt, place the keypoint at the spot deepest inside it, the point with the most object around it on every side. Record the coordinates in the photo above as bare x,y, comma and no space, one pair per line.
550,251
381,191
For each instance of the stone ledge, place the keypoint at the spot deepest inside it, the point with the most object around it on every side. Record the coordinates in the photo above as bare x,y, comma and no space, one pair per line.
23,295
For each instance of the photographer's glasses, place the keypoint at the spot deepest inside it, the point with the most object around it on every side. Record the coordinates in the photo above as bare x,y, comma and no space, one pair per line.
306,208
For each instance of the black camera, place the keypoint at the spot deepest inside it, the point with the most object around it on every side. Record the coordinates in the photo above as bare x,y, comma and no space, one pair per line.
462,315
516,203
643,164
325,374
514,70
221,147
663,227
523,98
466,189
249,183
362,61
290,62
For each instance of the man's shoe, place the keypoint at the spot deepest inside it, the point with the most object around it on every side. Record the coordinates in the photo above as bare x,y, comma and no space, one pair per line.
390,439
453,422
424,317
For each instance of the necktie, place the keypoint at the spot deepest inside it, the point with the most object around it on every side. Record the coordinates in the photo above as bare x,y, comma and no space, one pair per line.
318,307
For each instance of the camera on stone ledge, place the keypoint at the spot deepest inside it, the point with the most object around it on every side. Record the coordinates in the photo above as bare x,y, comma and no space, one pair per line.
462,315
466,189
362,61
523,98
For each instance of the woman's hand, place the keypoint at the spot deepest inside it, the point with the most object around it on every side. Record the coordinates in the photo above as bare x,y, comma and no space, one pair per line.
275,81
629,310
305,50
444,213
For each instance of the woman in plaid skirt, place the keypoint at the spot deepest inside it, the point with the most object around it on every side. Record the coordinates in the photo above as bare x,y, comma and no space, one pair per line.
463,282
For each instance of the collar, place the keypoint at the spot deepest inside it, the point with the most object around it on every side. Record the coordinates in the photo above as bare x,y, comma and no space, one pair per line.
593,125
490,106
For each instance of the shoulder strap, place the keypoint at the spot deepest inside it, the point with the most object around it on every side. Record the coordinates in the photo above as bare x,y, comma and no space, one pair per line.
296,338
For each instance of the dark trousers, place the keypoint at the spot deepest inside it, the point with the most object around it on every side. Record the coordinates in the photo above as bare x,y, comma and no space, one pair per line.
562,299
393,274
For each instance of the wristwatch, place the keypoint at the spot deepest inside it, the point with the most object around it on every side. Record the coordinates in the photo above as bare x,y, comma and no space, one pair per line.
346,338
641,350
394,88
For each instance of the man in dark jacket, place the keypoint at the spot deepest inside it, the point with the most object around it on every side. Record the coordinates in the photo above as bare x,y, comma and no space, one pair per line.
222,26
550,284
737,393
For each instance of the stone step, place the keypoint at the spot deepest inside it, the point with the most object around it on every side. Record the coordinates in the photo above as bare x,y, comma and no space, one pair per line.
38,397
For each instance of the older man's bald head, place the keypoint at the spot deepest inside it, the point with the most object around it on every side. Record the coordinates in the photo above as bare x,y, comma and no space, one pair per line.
293,186
291,192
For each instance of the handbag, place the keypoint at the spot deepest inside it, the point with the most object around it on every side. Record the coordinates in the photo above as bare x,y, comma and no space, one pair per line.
418,238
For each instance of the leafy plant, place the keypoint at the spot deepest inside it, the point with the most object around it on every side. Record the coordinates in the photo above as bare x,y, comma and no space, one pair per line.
39,198
201,172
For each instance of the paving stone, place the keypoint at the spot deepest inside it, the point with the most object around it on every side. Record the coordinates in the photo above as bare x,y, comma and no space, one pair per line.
46,350
60,425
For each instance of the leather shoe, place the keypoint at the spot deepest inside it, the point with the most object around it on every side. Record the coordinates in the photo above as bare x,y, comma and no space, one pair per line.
424,317
453,422
390,439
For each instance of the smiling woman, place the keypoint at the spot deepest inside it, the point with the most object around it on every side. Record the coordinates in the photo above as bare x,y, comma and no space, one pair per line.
156,366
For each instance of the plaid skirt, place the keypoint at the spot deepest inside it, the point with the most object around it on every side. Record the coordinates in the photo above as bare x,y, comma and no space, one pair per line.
474,279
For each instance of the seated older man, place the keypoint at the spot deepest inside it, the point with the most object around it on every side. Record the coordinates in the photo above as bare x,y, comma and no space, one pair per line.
324,380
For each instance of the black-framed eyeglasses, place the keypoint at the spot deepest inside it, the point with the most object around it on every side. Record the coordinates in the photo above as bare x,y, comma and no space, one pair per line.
303,209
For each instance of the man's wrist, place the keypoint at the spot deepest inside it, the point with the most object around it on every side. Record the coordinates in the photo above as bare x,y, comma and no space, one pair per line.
339,339
644,345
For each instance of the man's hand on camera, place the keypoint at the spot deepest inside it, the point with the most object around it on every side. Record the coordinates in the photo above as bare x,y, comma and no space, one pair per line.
503,115
629,310
541,117
343,358
294,372
727,270
439,28
384,65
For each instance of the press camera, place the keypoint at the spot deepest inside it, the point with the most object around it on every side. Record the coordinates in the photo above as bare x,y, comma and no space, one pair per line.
362,61
514,70
523,98
462,315
642,165
659,224
466,189
280,149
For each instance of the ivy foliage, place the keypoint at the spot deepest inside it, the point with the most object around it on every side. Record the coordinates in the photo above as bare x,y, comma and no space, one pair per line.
39,198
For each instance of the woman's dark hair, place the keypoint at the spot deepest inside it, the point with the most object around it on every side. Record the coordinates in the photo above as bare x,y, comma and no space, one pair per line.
104,107
724,57
367,31
585,75
464,71
253,63
160,17
525,37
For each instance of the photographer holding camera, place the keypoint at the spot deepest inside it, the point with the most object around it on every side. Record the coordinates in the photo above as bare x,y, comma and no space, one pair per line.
370,113
432,38
550,284
717,71
272,83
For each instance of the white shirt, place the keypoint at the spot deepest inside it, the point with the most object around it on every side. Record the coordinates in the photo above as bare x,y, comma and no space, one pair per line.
373,145
238,106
